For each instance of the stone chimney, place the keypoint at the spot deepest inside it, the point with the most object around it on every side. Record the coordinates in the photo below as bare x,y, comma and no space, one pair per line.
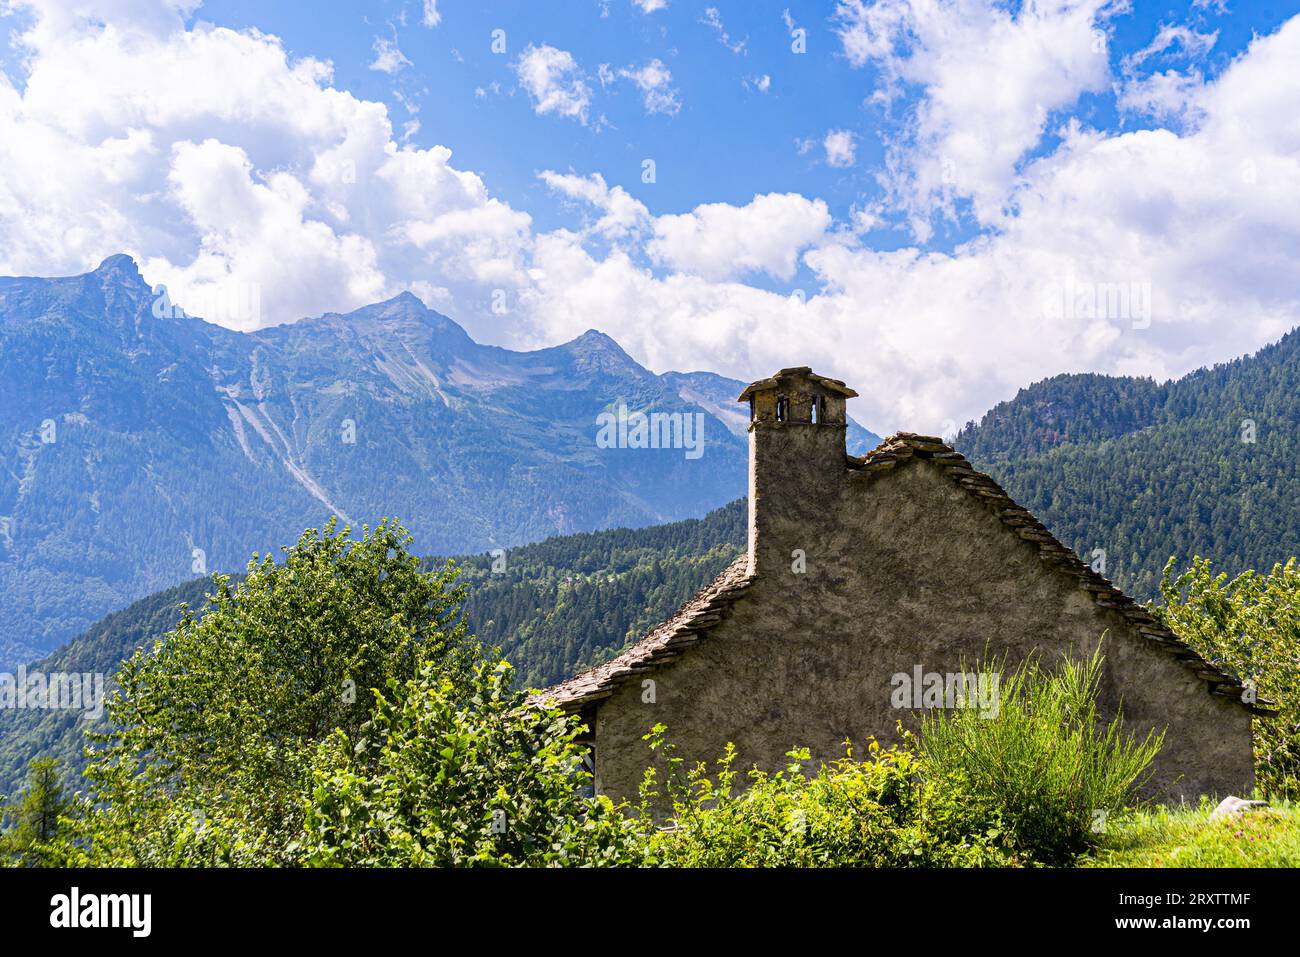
797,460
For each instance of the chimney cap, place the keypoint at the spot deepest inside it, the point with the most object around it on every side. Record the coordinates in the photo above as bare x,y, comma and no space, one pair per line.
787,378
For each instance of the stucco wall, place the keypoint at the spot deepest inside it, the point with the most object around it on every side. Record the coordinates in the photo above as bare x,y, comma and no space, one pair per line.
903,568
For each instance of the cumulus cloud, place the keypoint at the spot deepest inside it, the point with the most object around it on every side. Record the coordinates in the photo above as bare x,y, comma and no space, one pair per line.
721,241
650,6
1149,252
554,81
1168,96
621,213
295,188
431,16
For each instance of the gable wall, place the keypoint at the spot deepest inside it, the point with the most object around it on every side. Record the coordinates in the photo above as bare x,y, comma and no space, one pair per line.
903,569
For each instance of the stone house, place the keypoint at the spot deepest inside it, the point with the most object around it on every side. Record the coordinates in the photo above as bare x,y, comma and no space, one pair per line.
859,571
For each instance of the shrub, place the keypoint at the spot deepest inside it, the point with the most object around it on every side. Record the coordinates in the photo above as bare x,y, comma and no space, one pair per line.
444,778
1044,761
873,813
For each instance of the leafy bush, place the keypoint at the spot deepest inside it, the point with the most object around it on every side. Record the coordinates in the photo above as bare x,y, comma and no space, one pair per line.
1249,625
443,778
875,813
1043,760
216,726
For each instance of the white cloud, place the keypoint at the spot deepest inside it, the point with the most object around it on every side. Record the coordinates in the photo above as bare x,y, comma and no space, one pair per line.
650,6
1191,43
431,17
388,58
713,18
1168,95
555,82
57,19
622,214
655,83
1205,222
960,141
721,241
1165,96
295,187
841,149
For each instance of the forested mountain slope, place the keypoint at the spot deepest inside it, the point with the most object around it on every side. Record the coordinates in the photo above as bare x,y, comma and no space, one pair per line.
1203,465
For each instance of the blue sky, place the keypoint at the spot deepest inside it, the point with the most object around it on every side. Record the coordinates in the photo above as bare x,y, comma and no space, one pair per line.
908,203
728,142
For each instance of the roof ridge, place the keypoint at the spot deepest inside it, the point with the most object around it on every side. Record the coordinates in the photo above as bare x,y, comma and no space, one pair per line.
902,446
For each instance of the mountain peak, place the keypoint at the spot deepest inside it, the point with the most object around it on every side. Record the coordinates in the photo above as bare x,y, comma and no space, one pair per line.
405,311
404,304
594,339
596,345
119,264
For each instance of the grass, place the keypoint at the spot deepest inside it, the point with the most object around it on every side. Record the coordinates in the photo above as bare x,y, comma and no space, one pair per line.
1186,837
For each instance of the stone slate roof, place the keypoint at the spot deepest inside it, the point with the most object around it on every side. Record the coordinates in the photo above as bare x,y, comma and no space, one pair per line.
693,620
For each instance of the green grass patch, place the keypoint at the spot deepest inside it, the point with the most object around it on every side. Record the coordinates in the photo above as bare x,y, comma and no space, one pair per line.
1186,837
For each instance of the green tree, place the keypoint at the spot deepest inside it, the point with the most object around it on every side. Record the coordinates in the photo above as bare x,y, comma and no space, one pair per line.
36,820
1249,624
215,727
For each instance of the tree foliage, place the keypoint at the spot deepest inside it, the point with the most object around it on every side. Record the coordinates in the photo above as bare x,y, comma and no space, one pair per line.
441,778
557,607
1250,625
214,728
1203,465
35,823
